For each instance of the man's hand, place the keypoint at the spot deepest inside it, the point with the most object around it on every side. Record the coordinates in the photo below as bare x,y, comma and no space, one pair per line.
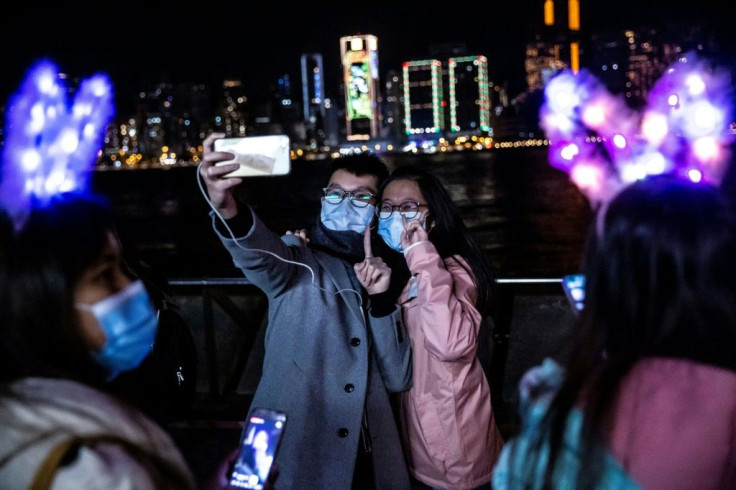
219,189
373,273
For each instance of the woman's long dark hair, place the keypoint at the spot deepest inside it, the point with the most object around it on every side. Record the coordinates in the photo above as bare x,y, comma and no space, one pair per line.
449,235
46,258
661,282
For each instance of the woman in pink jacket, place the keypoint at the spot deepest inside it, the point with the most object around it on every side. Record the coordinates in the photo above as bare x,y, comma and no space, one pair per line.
449,434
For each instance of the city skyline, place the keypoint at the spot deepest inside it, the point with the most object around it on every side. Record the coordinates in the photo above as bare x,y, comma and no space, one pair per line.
139,46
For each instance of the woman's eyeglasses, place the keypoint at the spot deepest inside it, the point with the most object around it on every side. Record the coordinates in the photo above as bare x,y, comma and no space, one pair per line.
359,198
408,209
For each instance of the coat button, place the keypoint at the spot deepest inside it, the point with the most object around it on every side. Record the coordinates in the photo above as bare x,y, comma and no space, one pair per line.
355,341
349,388
343,432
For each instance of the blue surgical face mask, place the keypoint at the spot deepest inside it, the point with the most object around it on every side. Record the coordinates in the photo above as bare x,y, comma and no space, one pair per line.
130,323
391,229
346,217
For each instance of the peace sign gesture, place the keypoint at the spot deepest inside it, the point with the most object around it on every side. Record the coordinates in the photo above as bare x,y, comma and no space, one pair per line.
373,273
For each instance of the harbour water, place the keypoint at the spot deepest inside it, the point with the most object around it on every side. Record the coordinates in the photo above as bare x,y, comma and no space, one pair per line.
527,216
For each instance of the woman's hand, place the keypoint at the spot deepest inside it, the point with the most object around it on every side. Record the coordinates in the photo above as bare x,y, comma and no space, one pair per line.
414,231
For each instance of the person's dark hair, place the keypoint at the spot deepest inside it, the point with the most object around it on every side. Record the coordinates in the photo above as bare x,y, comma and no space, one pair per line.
449,235
57,243
361,164
661,281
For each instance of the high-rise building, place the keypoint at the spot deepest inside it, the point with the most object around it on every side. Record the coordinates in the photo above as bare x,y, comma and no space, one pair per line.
359,56
233,118
394,111
424,102
558,45
469,101
313,98
543,61
629,62
570,32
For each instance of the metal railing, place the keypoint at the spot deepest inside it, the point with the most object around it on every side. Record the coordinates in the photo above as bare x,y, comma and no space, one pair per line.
530,319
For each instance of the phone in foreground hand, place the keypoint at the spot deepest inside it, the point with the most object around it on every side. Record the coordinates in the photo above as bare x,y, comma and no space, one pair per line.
258,156
258,446
574,286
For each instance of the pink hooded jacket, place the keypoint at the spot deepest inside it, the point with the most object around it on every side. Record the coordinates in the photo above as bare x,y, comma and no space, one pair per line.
450,436
674,425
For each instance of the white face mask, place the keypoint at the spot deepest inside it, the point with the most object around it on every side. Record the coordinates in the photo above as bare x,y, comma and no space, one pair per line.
346,217
130,324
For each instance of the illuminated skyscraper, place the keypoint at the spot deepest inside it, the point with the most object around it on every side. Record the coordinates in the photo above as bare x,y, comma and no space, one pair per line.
470,104
359,56
423,98
573,26
313,97
558,47
543,61
393,116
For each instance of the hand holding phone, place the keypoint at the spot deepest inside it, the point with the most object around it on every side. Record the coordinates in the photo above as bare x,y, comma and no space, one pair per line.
258,447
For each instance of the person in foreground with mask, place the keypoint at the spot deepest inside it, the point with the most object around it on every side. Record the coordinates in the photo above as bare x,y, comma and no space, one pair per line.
332,353
447,424
74,320
646,396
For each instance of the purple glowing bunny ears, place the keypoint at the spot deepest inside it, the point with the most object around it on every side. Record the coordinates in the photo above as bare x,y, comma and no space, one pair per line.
51,143
604,145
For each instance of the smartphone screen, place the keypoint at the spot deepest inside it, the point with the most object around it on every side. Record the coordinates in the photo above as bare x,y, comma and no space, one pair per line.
574,286
258,446
258,156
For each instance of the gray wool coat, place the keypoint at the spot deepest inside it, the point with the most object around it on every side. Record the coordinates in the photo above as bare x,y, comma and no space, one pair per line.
325,360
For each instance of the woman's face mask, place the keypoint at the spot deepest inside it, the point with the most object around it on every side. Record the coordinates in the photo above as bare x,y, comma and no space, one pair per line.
346,217
129,322
391,229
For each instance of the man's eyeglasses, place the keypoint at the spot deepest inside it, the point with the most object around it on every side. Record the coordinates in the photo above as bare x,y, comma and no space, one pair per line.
359,198
409,209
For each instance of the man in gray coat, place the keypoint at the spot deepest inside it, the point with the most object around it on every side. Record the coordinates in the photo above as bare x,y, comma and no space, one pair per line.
334,348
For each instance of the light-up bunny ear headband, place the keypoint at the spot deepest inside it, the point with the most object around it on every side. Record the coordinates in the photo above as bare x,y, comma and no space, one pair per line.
51,143
604,145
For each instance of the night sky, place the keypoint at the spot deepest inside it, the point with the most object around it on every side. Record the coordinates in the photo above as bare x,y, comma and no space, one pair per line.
139,46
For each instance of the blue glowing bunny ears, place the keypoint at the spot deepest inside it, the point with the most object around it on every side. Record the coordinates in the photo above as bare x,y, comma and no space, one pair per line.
51,143
604,145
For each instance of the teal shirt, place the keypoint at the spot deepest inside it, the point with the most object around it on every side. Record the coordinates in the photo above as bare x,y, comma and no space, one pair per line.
511,470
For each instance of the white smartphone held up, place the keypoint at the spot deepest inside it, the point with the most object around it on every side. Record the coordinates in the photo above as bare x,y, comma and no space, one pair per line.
258,156
258,446
574,287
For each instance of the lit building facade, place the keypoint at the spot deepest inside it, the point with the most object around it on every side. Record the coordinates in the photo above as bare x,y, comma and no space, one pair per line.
543,61
234,115
423,97
359,55
630,62
470,103
557,47
313,97
394,107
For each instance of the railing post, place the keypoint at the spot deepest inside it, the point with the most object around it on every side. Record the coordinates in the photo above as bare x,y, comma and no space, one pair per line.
210,343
